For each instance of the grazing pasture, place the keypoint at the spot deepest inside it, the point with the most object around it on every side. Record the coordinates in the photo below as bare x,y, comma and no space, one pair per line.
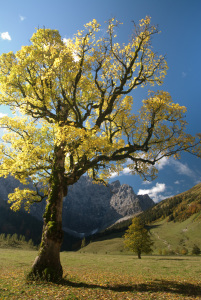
103,276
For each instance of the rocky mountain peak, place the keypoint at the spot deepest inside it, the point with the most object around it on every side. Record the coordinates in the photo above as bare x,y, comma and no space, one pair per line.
90,207
114,186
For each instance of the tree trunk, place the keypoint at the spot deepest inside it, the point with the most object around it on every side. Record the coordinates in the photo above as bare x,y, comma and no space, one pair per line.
47,265
139,254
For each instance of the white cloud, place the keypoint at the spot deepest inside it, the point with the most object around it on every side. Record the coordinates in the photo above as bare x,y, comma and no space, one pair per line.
65,40
114,174
5,36
181,168
2,115
126,171
154,192
146,182
162,163
22,18
176,165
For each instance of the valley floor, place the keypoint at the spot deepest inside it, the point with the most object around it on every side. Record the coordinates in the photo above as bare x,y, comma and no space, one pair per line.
103,276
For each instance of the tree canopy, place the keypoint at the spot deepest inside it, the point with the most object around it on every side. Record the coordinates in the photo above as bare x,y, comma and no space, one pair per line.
137,238
75,94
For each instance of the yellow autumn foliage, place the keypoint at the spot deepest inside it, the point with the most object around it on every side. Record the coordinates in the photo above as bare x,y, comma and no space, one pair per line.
74,95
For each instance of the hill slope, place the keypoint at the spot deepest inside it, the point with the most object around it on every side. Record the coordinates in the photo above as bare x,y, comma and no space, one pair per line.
174,224
178,208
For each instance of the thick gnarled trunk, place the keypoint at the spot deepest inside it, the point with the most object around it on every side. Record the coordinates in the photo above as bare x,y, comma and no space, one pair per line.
47,265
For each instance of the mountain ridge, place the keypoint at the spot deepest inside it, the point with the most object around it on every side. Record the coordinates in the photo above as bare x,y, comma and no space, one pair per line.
89,207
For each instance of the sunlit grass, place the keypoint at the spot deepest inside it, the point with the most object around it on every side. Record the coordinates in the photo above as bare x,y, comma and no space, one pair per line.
167,237
96,276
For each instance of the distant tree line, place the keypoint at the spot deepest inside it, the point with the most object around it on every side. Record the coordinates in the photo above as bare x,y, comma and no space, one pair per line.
23,224
20,223
15,241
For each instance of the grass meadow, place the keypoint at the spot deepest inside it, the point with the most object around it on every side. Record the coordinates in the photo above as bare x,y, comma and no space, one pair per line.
103,276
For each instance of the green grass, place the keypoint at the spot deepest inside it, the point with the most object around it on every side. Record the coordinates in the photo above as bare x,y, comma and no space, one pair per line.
177,235
112,245
167,236
98,276
13,241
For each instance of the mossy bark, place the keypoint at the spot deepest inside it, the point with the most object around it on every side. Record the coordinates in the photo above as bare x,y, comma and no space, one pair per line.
47,265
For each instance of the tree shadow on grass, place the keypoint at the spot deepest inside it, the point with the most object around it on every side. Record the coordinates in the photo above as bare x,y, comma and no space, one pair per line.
172,287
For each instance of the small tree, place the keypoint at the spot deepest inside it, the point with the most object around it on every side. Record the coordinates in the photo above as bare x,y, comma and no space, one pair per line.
137,238
73,114
83,244
184,251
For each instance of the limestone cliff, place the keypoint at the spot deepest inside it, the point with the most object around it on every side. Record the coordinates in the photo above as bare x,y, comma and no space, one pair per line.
91,207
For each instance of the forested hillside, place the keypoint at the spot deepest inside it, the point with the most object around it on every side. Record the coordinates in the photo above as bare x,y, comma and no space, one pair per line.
178,208
22,223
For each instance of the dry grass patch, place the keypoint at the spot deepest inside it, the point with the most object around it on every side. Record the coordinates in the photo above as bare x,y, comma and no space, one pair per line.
94,276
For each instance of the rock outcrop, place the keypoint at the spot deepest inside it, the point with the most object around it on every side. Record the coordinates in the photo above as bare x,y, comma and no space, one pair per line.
90,207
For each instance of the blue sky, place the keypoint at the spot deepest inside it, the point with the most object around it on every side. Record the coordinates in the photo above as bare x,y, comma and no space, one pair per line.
180,39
